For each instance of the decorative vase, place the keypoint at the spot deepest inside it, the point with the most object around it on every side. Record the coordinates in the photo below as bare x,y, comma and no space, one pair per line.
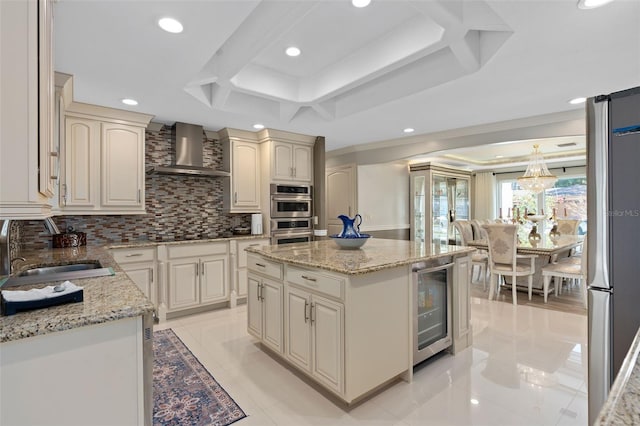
534,237
350,227
554,234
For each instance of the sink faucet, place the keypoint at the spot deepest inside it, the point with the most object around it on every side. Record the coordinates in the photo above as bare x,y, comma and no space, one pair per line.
5,248
6,264
50,225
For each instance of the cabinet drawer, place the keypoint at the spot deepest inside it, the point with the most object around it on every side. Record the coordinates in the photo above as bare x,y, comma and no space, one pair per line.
264,266
242,255
324,284
196,249
134,255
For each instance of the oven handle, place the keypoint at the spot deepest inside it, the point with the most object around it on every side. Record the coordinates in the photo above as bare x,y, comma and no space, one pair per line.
290,234
290,198
432,269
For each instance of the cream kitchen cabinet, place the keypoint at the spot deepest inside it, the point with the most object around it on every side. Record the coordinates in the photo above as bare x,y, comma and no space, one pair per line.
241,157
103,161
28,156
291,162
239,261
264,302
265,311
197,275
314,335
140,266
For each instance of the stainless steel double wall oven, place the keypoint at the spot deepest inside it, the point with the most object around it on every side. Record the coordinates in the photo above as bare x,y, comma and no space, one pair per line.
291,211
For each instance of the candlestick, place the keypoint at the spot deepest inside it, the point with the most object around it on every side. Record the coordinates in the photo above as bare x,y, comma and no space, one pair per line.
500,213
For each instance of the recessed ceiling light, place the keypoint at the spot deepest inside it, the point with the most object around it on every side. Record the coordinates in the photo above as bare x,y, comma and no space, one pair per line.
360,3
292,51
129,101
409,130
475,401
592,4
576,101
499,156
258,126
170,25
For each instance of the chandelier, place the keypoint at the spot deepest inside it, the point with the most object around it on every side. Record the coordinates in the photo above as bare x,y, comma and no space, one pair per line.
537,178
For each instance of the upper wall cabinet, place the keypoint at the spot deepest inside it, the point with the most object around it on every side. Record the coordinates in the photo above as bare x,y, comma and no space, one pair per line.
103,161
27,154
291,162
289,156
241,157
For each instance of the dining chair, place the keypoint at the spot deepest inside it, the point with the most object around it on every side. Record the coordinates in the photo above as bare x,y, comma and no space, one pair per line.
568,269
502,240
477,258
478,232
568,226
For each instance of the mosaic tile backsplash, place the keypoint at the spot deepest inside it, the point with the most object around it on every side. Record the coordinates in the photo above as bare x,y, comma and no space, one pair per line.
178,207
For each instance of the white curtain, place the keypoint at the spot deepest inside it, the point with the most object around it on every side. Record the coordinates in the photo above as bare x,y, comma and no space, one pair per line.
485,196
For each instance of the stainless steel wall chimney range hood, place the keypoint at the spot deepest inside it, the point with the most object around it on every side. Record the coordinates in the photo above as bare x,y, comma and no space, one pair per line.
187,143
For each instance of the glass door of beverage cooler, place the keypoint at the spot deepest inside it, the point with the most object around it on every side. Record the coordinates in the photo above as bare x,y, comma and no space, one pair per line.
432,321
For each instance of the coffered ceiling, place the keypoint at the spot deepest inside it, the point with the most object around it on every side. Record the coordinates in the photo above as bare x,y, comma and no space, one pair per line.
364,74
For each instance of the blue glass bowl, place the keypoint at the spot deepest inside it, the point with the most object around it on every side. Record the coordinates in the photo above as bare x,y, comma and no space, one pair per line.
350,242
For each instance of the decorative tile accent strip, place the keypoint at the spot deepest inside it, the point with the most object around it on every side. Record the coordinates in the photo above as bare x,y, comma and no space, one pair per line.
178,207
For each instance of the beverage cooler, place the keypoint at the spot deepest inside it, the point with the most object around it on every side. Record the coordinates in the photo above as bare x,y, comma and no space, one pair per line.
439,195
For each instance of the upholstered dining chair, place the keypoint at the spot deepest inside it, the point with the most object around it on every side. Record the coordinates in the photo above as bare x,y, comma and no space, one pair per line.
477,259
568,226
568,269
478,232
502,240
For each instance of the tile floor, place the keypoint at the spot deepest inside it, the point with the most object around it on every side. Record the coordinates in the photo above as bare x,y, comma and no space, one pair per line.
527,366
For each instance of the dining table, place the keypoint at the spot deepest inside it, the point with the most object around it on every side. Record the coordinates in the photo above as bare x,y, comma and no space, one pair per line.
547,250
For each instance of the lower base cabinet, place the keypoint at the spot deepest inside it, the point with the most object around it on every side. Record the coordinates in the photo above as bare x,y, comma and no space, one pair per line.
265,311
140,266
194,282
314,327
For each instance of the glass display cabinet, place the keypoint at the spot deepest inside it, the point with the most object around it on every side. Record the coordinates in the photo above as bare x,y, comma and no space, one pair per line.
439,195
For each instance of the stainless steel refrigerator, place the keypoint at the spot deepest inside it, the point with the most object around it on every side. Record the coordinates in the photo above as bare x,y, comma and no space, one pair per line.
613,213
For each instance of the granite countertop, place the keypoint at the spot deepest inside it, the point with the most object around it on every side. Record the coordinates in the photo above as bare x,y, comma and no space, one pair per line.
138,244
622,407
375,255
105,298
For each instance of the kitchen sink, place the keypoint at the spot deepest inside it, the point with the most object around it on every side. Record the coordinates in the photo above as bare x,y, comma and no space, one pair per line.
44,270
57,273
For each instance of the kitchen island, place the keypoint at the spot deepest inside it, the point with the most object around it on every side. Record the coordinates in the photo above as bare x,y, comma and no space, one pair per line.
78,363
345,318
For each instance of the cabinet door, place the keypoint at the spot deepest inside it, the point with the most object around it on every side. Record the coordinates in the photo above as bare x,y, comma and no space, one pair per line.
122,166
81,151
246,176
143,276
282,161
302,168
327,326
298,327
48,160
272,314
214,279
254,306
184,283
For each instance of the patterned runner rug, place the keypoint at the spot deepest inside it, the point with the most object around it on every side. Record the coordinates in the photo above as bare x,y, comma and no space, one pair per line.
184,392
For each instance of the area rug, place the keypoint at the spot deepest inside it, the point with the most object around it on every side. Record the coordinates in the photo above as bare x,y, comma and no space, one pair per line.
184,392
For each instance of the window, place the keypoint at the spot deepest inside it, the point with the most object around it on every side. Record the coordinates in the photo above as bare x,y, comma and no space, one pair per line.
568,198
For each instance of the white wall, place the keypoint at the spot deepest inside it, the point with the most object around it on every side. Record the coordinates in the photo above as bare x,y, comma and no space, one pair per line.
383,196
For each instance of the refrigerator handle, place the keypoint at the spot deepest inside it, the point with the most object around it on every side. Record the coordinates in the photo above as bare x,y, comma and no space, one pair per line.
598,194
